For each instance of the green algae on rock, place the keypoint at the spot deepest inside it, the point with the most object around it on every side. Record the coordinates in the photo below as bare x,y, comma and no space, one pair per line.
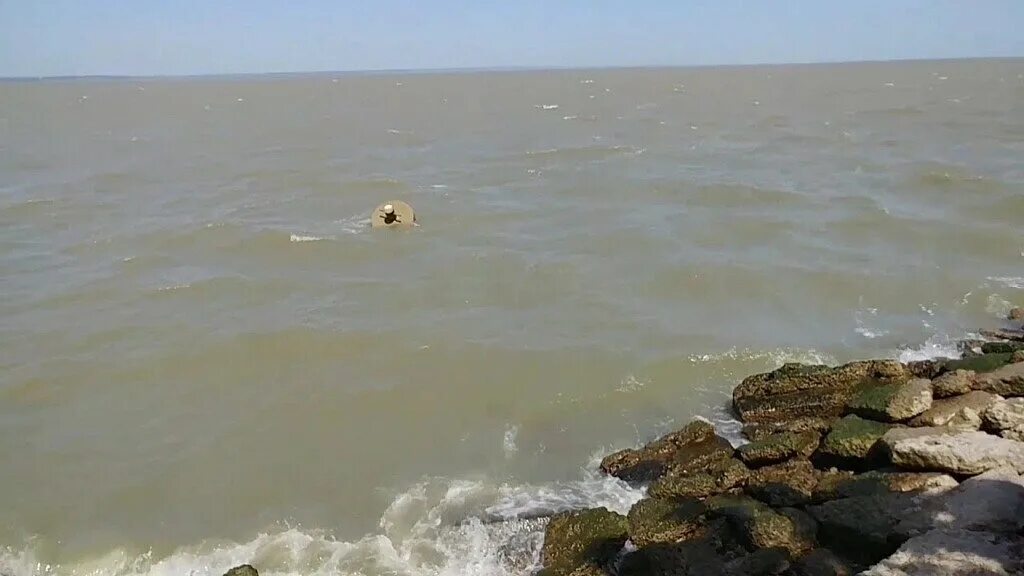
851,443
694,446
893,402
779,447
799,390
662,520
589,537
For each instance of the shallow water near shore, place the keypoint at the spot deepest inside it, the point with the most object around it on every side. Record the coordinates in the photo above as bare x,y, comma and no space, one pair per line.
208,358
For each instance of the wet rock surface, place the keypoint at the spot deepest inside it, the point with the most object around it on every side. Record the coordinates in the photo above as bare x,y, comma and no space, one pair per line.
872,467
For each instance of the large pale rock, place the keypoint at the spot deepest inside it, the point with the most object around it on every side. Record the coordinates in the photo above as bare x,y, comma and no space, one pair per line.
955,553
893,402
951,450
799,390
958,411
1005,381
953,383
583,538
692,448
1006,418
991,502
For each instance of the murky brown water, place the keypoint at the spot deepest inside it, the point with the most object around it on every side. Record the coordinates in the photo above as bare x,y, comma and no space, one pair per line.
202,341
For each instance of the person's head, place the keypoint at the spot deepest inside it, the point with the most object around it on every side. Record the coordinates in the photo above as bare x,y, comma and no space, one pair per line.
389,209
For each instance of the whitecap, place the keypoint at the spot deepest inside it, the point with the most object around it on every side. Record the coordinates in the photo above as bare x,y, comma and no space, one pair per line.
1009,281
508,442
301,238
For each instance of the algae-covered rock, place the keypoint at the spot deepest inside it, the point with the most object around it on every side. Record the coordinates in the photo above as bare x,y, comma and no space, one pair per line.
980,364
760,527
582,538
243,570
949,450
779,447
893,402
1006,381
881,482
690,558
864,528
718,477
1001,347
788,484
952,383
799,390
851,443
666,520
951,411
1006,418
694,446
760,431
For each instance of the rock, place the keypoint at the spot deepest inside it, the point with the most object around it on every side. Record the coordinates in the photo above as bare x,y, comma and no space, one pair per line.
1005,381
882,482
661,520
243,570
1006,418
798,390
695,558
951,410
779,447
583,538
1017,357
718,477
893,402
955,553
992,502
1001,347
927,369
1016,314
864,528
952,383
788,484
851,443
949,450
760,527
694,446
755,432
980,364
821,562
767,562
1015,335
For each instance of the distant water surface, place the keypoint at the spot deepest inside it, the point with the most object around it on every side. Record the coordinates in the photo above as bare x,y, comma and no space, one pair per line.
207,357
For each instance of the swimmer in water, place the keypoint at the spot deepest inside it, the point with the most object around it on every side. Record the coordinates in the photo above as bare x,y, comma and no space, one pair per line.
389,215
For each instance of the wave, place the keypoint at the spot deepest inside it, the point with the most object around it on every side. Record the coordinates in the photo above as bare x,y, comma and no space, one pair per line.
439,527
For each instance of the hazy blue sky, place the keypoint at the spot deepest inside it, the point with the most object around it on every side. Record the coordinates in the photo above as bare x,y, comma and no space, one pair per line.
62,37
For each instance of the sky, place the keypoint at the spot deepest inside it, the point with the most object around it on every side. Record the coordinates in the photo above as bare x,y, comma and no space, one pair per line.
182,37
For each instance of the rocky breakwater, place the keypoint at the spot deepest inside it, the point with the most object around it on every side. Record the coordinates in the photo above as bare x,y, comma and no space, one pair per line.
875,467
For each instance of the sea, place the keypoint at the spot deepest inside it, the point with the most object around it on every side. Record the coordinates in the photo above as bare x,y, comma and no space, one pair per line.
208,358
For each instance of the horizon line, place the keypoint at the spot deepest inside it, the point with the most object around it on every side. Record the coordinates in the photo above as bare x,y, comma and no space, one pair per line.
471,70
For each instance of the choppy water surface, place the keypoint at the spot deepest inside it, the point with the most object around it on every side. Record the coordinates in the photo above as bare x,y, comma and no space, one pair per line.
207,357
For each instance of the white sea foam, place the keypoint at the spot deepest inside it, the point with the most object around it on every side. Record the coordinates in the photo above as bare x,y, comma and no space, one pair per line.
508,442
300,238
437,527
936,346
546,106
1009,281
